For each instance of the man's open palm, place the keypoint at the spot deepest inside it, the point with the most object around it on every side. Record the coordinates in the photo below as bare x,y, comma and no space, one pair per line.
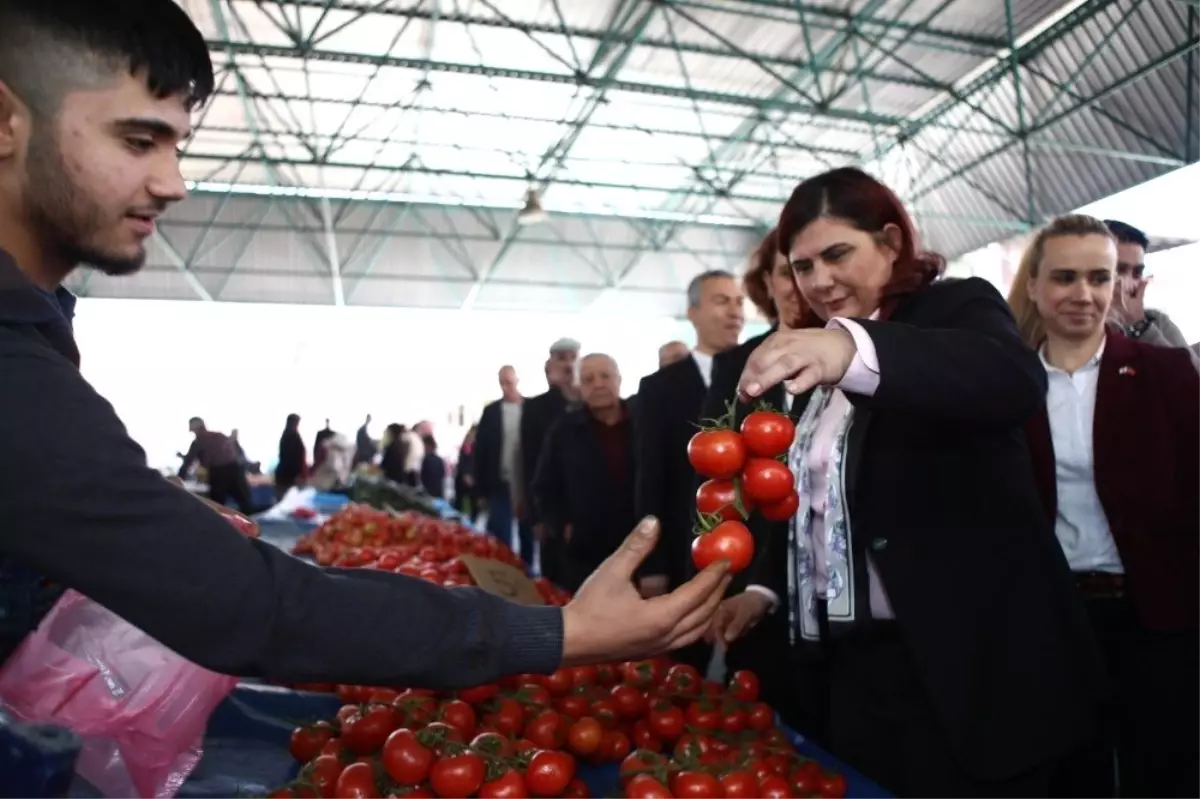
609,620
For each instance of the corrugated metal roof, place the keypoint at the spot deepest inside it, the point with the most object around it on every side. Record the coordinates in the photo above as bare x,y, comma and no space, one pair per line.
693,112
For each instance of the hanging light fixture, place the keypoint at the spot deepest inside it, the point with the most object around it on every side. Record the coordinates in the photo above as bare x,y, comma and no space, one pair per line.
532,213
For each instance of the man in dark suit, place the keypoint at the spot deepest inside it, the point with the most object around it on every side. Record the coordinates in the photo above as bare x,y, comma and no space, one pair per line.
584,481
537,417
669,404
497,463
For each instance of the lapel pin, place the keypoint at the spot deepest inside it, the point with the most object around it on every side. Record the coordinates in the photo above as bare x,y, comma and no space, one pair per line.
1127,370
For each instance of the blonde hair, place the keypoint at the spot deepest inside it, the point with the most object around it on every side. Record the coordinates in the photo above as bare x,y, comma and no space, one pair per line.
1029,321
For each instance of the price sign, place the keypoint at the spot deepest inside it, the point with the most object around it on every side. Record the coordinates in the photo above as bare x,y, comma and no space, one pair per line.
502,580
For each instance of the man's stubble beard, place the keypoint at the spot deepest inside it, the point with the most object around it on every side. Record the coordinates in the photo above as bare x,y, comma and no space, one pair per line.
66,220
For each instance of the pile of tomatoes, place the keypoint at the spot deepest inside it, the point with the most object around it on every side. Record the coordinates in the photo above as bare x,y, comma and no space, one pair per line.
359,536
672,733
746,470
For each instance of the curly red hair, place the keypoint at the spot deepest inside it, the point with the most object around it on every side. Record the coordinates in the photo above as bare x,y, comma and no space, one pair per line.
860,200
754,282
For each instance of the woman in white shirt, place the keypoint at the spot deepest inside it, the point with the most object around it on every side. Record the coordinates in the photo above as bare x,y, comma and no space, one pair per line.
1116,452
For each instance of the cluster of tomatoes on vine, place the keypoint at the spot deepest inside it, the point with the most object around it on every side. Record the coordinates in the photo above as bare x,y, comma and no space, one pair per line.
529,735
745,470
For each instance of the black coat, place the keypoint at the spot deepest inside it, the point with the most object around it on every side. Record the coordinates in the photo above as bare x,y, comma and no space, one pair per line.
537,417
669,404
941,494
489,448
574,486
292,458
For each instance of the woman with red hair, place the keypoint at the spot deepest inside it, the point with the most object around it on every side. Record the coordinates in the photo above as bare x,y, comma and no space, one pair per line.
920,561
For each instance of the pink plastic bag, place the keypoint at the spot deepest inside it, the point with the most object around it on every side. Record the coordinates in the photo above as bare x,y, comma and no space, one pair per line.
140,708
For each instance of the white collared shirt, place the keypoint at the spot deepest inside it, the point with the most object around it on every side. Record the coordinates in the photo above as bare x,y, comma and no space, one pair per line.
1081,525
704,364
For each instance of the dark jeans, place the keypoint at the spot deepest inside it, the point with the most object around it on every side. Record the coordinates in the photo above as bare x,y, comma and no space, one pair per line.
500,523
229,482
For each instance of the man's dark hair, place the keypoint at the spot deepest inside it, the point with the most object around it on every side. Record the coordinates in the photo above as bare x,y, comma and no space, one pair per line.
49,48
1127,234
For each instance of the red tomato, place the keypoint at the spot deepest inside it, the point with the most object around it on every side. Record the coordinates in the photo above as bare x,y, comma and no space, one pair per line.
768,433
438,735
366,730
547,730
774,787
492,743
644,737
719,497
323,773
584,736
457,775
733,721
640,762
479,694
584,675
405,759
643,786
781,511
702,716
416,709
630,702
560,682
684,679
573,705
729,541
642,673
831,786
717,454
806,778
766,480
307,742
614,746
549,773
458,713
760,717
739,785
694,785
509,785
744,686
577,789
666,721
509,717
357,781
605,712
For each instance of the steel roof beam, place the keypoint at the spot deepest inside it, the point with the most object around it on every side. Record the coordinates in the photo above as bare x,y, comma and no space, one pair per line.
562,78
617,38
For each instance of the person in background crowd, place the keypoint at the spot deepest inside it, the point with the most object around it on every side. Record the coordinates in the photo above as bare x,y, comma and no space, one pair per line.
1128,309
669,405
497,459
217,453
1116,450
672,352
793,682
433,469
537,417
323,435
394,463
364,446
960,658
293,460
584,482
464,476
95,99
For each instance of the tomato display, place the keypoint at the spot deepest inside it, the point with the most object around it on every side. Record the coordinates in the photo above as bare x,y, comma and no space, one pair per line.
673,733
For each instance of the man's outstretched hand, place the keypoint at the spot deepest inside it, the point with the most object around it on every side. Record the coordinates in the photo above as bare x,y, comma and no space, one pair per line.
609,620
